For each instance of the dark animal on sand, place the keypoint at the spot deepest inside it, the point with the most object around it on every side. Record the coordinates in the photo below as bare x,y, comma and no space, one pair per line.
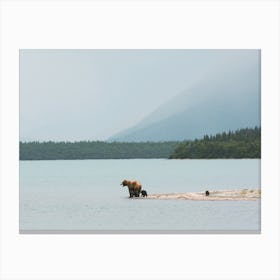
134,187
144,193
207,193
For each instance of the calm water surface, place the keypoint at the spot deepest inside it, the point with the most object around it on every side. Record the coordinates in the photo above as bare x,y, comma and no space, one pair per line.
86,195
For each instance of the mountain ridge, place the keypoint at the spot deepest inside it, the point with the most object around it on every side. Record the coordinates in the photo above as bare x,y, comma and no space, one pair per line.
226,100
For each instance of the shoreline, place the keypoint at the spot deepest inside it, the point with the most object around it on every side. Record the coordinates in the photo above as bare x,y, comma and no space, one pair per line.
232,195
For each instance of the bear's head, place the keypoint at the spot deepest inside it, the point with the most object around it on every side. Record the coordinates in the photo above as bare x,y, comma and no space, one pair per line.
124,183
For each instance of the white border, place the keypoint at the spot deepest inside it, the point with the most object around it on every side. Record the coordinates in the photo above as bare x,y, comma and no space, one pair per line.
146,24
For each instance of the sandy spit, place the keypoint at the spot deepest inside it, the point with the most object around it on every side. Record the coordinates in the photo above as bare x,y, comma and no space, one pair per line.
243,194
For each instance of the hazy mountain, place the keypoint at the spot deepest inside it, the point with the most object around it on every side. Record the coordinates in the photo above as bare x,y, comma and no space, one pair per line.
225,100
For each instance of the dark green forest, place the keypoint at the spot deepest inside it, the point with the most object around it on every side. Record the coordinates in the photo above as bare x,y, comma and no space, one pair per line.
95,150
243,143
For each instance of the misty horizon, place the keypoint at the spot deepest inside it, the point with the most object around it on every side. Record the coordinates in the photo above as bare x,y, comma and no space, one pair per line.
93,95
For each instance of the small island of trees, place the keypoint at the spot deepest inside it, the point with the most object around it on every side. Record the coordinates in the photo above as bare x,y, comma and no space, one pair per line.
243,143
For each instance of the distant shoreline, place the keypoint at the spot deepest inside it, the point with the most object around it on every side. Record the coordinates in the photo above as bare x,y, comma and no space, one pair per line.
243,143
95,150
169,159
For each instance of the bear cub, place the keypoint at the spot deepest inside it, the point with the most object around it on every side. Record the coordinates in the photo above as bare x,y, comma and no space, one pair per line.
144,193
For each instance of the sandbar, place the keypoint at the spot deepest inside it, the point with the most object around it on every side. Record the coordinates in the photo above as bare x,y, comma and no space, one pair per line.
237,194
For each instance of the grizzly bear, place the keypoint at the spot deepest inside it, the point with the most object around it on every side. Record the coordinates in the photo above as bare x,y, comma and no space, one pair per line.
144,193
134,187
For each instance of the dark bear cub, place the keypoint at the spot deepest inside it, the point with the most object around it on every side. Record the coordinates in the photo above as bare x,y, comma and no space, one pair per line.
144,193
207,193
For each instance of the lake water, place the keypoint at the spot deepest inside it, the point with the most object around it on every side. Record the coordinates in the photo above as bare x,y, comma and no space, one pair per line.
85,195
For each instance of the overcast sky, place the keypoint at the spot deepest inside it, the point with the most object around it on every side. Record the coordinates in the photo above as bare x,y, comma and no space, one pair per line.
92,94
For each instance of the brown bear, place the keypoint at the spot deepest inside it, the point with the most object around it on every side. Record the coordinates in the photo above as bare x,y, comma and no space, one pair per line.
144,193
134,187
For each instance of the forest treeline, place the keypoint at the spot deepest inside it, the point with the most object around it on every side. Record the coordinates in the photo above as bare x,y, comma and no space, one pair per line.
95,150
243,143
